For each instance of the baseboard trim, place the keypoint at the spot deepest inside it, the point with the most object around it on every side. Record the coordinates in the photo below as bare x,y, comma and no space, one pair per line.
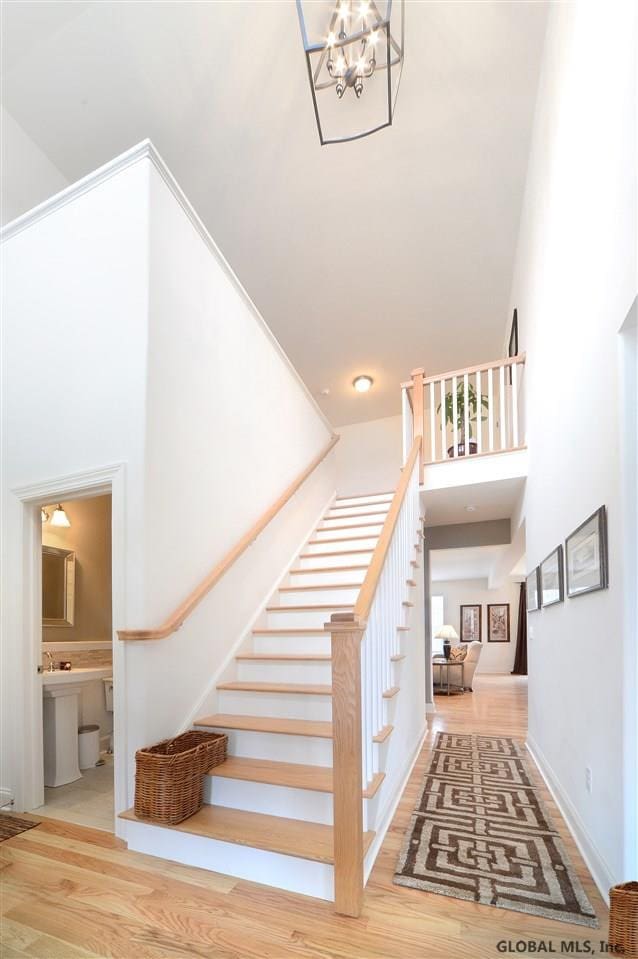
600,871
388,814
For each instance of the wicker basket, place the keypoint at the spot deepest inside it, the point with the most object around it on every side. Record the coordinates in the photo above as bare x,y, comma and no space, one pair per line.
169,777
623,920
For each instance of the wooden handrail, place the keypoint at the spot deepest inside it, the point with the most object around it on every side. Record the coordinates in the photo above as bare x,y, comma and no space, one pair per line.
368,589
176,619
481,368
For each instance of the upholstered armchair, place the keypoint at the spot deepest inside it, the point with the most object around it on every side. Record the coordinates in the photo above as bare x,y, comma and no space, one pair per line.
470,663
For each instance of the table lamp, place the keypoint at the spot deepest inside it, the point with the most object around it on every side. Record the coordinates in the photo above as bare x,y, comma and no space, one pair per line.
446,633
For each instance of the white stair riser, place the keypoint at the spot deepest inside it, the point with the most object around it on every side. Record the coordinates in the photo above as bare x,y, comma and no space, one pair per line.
299,619
385,498
284,872
292,644
331,577
279,671
347,532
312,750
306,804
279,705
343,545
303,597
341,517
315,561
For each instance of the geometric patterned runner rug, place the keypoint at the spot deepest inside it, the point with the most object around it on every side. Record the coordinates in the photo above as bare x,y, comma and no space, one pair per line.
12,826
480,832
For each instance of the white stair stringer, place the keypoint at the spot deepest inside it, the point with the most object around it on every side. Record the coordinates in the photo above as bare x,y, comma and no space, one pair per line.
275,706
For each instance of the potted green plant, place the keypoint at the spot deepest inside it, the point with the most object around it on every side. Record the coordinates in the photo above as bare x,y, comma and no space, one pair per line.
476,405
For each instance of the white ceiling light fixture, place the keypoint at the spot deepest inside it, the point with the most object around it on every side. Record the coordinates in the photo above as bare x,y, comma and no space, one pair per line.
59,517
470,509
354,45
362,383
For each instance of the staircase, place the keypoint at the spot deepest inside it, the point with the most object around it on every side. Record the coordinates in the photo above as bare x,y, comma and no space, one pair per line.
268,813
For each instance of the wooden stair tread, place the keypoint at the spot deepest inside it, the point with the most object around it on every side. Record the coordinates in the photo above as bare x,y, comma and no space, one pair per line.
286,657
324,586
329,529
309,607
292,775
389,493
268,724
383,734
372,512
304,689
291,837
397,658
328,569
298,631
391,692
339,552
403,629
342,539
407,603
411,582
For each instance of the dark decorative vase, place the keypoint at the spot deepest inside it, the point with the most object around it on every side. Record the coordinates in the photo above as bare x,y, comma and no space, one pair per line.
447,648
460,449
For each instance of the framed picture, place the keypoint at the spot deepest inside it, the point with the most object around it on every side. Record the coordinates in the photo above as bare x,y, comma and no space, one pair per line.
586,561
471,624
498,622
532,591
551,578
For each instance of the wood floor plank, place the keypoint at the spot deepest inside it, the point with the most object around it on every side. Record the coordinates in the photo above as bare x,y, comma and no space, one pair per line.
72,896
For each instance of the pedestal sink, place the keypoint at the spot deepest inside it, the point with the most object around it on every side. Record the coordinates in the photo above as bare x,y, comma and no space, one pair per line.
61,694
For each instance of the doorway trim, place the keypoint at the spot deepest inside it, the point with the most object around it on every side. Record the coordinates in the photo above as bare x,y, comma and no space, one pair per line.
80,485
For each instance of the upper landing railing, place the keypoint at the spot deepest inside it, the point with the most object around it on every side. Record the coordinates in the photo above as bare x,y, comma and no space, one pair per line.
470,412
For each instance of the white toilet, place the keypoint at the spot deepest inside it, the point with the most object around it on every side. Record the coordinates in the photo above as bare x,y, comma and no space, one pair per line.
108,698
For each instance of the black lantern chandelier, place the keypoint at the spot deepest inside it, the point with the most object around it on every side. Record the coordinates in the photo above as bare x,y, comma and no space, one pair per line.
353,46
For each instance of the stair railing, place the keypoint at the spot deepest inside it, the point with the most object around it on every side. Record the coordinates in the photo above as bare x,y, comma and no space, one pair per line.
475,411
183,611
363,644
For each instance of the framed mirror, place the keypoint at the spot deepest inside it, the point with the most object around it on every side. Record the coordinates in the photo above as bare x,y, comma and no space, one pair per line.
58,586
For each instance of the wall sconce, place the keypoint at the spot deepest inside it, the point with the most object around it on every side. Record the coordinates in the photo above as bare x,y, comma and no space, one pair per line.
59,517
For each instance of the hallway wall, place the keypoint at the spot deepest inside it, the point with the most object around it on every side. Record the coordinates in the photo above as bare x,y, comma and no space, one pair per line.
574,281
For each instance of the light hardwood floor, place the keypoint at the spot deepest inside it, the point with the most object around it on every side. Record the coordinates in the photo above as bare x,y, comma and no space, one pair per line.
69,892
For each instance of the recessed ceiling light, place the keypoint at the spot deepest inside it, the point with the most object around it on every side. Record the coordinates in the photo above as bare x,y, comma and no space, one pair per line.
471,509
325,391
362,383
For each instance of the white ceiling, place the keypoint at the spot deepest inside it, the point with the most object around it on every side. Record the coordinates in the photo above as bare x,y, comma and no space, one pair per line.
496,499
375,256
475,562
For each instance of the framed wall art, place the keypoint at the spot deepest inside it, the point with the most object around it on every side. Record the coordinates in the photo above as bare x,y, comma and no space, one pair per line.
586,562
498,622
532,591
471,624
552,588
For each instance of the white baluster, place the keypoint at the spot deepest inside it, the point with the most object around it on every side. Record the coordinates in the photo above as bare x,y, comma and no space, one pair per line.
432,424
455,429
503,429
479,420
443,441
490,409
466,404
514,369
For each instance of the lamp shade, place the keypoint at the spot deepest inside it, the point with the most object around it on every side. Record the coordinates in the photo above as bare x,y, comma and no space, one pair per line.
447,632
59,517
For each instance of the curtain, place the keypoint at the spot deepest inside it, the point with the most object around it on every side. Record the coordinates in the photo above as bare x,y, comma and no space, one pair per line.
520,659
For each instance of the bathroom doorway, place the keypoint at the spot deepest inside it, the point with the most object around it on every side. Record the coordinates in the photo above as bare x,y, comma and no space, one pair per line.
77,661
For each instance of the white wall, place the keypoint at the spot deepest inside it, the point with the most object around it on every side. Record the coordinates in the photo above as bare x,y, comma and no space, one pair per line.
369,456
495,657
127,339
27,176
574,282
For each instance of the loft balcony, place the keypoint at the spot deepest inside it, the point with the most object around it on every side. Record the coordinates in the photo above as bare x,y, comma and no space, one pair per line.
474,454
